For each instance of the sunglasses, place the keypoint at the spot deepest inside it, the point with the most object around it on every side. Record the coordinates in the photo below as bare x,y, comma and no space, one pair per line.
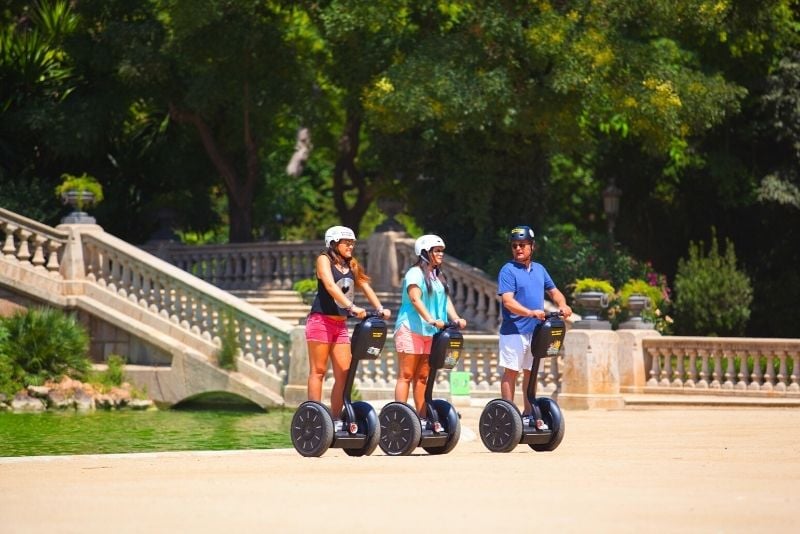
519,245
347,242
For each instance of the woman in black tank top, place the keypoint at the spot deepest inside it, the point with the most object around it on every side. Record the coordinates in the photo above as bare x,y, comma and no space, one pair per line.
338,275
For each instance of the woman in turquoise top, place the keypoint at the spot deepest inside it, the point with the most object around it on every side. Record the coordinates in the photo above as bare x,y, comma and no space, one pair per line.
424,309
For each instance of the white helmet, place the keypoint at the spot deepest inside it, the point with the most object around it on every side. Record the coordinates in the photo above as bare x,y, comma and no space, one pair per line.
427,242
336,233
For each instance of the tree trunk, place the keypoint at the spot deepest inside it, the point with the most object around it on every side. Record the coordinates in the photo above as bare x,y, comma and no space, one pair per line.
240,190
347,176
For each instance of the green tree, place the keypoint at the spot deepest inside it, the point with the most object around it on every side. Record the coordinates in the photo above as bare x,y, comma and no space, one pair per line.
713,296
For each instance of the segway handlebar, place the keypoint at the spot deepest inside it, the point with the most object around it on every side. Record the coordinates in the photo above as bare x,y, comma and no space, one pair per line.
550,315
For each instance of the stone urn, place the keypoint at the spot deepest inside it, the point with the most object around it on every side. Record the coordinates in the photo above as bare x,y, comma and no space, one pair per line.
636,305
78,200
590,304
391,207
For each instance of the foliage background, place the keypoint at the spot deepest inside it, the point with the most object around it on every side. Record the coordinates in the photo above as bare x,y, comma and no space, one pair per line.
479,114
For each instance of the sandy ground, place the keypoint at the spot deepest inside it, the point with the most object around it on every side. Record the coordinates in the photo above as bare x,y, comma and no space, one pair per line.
633,470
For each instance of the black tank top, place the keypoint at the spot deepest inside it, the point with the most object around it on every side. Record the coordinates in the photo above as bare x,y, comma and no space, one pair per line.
324,303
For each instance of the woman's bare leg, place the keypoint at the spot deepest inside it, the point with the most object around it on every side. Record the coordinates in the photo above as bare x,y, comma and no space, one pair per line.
317,365
407,363
421,373
340,358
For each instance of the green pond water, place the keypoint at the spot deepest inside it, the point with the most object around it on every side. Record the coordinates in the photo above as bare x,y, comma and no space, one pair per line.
102,432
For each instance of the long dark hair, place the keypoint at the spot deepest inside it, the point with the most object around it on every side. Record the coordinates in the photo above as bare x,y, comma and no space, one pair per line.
359,274
437,271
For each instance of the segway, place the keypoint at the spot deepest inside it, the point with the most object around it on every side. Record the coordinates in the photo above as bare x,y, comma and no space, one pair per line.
501,427
312,428
401,428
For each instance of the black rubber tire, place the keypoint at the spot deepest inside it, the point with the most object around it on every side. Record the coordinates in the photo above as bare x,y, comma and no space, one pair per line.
500,426
552,416
400,430
312,429
448,417
367,420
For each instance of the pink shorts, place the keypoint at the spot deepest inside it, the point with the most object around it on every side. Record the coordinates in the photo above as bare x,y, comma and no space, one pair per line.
407,341
325,329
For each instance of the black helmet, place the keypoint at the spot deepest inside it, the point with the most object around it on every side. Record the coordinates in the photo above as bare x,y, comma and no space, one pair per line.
521,233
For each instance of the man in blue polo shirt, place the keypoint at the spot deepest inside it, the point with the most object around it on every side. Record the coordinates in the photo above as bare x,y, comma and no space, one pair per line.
522,284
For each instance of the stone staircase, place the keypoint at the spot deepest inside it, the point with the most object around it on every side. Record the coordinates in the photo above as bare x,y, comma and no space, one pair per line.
288,305
285,304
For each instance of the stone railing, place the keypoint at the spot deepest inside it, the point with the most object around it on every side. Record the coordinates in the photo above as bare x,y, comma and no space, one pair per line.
29,242
194,306
722,365
474,293
375,379
243,266
277,265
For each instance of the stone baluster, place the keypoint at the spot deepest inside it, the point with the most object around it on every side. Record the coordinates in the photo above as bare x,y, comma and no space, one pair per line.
38,260
743,374
757,376
717,375
768,383
655,367
730,372
704,369
795,385
53,264
23,253
677,381
691,375
782,378
666,370
9,247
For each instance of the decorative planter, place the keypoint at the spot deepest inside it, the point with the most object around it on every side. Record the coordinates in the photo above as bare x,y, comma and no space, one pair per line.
78,200
590,303
636,305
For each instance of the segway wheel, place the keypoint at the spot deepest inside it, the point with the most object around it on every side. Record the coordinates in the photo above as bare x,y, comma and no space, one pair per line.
448,417
312,429
400,429
500,426
367,420
552,416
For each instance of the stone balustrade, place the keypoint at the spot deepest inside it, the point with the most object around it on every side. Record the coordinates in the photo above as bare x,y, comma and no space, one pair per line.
29,242
722,365
64,265
195,306
473,292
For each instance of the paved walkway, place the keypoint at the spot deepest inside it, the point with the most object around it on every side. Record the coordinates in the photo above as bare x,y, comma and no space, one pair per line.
633,470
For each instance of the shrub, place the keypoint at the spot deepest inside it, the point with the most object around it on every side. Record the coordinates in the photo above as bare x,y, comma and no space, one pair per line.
567,254
305,285
114,375
584,285
44,344
713,297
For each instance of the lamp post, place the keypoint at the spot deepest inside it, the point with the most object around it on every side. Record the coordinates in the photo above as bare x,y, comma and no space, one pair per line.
611,196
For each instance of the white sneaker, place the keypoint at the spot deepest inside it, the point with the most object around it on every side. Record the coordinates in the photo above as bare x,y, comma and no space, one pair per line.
526,420
541,425
424,424
338,425
437,427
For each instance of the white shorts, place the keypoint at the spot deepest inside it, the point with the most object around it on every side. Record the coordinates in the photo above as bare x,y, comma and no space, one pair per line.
515,351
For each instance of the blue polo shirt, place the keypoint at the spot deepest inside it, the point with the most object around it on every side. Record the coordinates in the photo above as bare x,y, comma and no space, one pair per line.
528,286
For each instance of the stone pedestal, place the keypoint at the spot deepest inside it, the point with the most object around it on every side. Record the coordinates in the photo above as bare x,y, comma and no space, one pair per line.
632,376
590,375
383,267
296,390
